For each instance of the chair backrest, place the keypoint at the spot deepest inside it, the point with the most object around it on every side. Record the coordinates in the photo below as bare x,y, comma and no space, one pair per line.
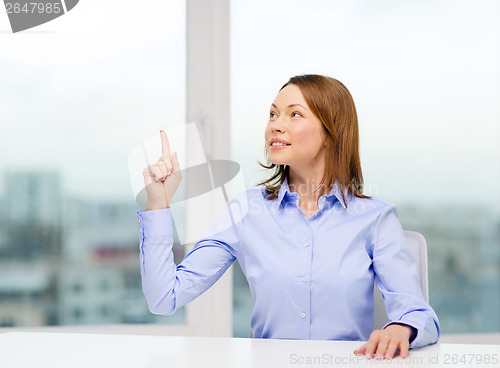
418,247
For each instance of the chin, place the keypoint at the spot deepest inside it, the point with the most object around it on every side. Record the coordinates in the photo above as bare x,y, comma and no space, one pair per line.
278,162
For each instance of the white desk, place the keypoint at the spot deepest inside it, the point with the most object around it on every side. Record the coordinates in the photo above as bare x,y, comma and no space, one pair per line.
64,350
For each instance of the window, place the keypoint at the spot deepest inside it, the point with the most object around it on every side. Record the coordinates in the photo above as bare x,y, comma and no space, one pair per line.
425,80
76,94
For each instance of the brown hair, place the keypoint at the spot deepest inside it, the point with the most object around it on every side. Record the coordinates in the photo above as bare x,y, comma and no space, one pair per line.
331,102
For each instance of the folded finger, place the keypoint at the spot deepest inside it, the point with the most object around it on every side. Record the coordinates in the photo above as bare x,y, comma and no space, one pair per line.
166,159
157,173
383,342
391,350
361,350
371,346
403,348
163,168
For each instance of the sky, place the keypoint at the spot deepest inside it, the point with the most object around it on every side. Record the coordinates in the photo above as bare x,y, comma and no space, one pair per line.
425,77
78,93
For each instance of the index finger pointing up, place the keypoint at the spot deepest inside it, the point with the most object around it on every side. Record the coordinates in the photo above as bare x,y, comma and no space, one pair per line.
165,146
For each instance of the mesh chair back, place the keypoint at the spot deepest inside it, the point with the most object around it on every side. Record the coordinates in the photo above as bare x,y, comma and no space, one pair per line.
418,247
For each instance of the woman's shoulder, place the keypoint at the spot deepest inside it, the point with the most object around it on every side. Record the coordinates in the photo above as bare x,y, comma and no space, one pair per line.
370,204
246,196
256,193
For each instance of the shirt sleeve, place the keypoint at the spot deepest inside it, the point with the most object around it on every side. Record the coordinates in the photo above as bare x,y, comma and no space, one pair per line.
397,279
168,287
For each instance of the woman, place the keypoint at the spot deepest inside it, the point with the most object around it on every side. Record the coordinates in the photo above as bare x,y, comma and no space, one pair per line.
310,243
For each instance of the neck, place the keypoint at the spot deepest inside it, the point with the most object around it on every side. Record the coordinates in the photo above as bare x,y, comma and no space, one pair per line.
307,185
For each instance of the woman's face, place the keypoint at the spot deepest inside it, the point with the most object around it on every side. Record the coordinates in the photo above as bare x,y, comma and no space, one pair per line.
292,123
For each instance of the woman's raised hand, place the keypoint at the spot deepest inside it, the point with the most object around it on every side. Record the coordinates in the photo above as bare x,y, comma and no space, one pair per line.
162,179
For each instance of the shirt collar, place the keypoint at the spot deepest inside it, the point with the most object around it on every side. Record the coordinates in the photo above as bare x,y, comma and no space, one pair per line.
285,195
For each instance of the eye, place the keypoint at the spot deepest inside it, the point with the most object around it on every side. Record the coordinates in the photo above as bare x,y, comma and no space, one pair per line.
296,114
272,115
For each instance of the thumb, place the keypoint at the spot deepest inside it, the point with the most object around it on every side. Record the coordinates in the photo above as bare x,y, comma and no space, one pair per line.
175,163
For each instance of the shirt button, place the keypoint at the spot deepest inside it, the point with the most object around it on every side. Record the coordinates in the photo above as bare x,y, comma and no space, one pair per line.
139,221
303,315
140,230
304,279
306,244
324,199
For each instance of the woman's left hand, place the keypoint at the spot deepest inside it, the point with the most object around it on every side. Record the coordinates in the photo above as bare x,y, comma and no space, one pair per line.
384,343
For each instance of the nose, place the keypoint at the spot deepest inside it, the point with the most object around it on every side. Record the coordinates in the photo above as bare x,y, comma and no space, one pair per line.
277,126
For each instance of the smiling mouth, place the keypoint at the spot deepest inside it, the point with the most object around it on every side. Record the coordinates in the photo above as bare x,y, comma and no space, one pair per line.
279,144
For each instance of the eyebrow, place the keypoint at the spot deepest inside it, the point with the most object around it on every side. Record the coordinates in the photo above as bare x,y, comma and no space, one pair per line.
292,105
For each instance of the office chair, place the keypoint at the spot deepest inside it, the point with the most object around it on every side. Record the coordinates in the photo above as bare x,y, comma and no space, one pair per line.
418,248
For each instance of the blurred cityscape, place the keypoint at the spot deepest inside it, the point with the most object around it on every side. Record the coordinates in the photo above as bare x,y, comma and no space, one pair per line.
74,261
68,261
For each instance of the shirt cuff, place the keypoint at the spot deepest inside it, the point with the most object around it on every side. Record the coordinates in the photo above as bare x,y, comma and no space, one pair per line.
155,223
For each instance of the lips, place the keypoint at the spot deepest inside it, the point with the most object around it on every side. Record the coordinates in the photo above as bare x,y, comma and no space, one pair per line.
277,148
278,145
278,140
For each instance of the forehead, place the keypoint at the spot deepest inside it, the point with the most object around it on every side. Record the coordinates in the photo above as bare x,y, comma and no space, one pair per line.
289,95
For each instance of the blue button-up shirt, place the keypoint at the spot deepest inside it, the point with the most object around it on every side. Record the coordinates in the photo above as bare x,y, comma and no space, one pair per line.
309,278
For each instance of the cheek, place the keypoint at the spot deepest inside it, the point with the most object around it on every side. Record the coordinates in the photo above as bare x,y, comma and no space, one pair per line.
307,136
310,140
267,132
